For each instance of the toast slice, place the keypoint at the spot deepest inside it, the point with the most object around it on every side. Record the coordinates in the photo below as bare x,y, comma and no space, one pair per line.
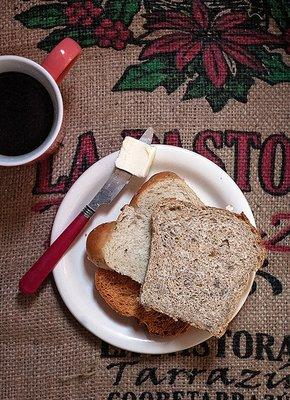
200,264
124,245
121,294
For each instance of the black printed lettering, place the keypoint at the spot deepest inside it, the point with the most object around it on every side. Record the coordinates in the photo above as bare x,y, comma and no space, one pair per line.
148,374
108,351
185,352
283,397
173,374
193,395
201,350
114,396
273,383
162,396
121,366
178,395
248,344
221,344
264,343
221,396
193,374
237,396
249,376
146,396
219,374
129,396
285,349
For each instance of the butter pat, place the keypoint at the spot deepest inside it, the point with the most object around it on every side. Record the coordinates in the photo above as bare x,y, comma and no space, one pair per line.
135,157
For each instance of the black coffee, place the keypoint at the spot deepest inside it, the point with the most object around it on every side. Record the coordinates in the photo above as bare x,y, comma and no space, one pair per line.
26,113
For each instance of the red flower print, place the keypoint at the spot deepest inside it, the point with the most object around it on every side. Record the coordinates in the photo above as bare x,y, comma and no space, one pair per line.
217,40
113,34
83,13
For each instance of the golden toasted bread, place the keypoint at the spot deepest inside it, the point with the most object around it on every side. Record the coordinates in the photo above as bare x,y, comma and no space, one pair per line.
121,293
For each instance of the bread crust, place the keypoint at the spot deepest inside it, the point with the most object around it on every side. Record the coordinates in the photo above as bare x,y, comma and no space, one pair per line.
96,241
119,291
260,261
121,294
160,176
99,236
259,242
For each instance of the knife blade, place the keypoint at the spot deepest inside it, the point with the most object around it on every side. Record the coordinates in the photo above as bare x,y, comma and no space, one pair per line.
115,184
34,277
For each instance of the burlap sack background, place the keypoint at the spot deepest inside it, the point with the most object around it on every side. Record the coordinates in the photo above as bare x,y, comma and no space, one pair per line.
45,352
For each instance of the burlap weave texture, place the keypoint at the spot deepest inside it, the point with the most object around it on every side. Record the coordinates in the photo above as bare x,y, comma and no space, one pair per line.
45,352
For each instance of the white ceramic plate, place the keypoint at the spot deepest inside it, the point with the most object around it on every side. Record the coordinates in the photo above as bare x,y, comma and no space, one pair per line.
74,275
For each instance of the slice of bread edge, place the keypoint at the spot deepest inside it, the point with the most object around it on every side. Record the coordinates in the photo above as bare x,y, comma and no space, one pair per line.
121,294
99,236
96,241
241,292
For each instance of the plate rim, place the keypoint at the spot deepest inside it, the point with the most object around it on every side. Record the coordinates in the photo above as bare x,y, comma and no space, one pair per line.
60,282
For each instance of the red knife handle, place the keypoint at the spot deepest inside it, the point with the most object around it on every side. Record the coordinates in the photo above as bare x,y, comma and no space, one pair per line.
34,277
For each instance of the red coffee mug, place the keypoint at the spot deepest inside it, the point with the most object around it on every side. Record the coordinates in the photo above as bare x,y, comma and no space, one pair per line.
51,72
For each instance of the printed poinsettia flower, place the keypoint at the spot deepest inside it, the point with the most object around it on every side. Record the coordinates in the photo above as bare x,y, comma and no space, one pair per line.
83,13
221,41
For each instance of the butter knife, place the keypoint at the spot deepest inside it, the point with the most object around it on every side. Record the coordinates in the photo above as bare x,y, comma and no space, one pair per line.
34,277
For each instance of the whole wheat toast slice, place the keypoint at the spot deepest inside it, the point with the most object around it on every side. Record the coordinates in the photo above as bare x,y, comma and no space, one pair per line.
121,294
124,245
200,265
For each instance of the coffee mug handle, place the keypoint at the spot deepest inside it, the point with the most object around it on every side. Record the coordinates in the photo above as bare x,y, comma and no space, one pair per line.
61,58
